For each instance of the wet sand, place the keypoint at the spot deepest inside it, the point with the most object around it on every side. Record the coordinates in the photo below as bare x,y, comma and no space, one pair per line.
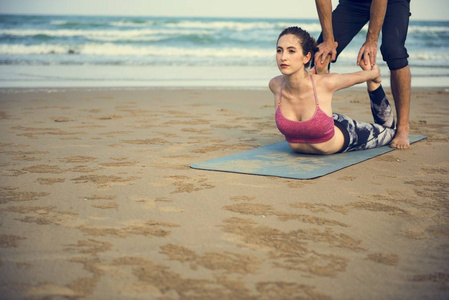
98,202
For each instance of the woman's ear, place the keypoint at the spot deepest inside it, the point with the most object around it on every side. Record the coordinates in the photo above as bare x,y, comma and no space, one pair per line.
307,58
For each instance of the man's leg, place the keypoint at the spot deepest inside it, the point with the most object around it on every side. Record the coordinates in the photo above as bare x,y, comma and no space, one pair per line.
400,88
394,34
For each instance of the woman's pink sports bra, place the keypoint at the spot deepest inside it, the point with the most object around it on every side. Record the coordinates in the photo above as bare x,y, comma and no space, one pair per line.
319,129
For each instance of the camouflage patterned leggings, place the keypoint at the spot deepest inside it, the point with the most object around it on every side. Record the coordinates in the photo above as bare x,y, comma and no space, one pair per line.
361,135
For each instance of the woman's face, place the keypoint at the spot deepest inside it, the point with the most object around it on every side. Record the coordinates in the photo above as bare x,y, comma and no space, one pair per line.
289,55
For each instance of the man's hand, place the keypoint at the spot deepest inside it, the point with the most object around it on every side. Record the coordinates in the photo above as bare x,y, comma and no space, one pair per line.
322,67
326,49
368,53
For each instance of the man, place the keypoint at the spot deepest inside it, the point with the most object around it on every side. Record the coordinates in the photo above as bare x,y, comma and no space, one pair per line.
392,16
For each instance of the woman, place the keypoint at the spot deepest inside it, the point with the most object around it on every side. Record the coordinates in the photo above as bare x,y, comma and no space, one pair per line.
304,101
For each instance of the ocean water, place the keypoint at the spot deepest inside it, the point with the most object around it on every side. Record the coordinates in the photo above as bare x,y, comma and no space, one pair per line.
45,51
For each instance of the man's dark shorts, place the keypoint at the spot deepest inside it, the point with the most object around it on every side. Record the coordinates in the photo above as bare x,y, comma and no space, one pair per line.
350,16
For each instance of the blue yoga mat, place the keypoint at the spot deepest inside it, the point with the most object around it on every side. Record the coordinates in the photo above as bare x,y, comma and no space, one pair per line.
279,160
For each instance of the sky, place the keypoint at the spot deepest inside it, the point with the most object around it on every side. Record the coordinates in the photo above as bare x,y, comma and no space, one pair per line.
421,9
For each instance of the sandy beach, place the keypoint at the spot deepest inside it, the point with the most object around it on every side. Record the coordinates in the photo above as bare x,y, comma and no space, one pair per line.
98,201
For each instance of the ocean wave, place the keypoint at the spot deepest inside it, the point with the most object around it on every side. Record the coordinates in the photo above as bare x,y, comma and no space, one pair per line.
191,27
132,23
187,27
73,23
101,34
430,56
427,29
126,50
34,49
117,40
125,22
108,49
59,22
243,26
313,28
229,25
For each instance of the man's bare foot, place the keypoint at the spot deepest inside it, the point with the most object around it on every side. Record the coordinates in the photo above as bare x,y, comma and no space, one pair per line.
400,141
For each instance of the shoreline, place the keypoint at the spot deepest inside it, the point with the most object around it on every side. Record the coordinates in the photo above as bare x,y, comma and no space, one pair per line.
358,90
241,77
12,90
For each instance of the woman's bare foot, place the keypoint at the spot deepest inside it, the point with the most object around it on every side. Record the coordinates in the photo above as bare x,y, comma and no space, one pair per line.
374,83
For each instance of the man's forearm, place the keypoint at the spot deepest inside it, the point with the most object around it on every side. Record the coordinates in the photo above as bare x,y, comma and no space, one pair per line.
324,9
377,16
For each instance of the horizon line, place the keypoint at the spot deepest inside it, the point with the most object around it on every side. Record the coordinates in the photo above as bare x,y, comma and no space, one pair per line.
180,16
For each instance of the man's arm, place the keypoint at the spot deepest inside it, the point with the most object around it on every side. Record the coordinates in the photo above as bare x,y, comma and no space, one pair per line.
328,46
368,51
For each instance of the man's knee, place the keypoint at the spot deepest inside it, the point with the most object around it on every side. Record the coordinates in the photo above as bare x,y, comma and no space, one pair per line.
395,57
396,64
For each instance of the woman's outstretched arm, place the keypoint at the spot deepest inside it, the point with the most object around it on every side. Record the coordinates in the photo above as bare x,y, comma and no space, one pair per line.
335,82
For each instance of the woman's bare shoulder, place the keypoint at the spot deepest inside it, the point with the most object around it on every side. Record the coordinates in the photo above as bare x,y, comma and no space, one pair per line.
275,83
327,81
326,77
